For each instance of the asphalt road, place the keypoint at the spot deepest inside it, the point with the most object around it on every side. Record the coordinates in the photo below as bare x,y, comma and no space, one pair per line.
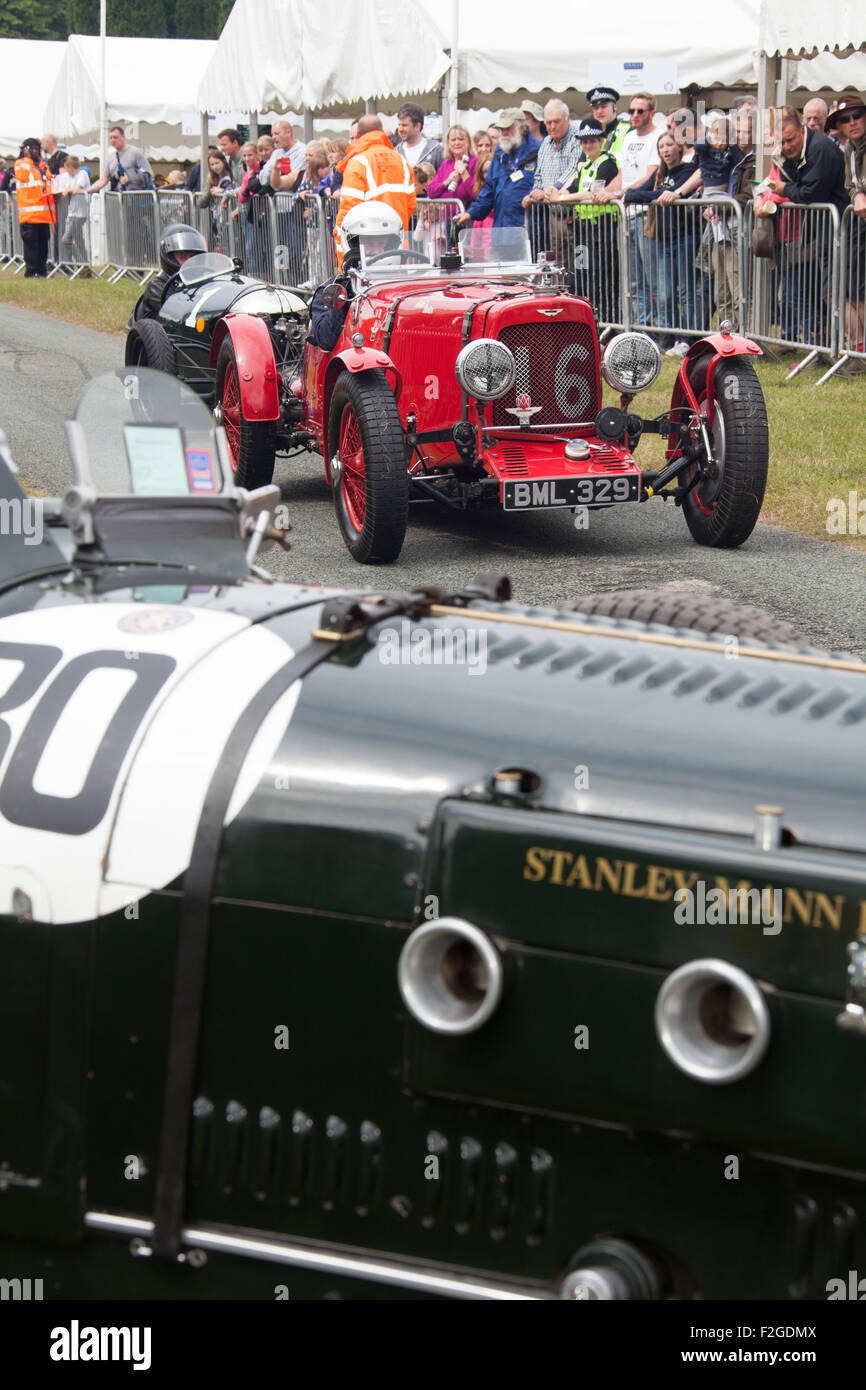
819,585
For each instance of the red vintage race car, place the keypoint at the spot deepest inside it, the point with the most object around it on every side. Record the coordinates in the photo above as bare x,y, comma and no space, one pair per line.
478,380
475,380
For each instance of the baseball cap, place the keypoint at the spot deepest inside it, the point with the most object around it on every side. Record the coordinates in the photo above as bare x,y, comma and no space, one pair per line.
507,117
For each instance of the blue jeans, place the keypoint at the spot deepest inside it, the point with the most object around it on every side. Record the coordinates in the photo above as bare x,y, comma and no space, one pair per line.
642,268
677,281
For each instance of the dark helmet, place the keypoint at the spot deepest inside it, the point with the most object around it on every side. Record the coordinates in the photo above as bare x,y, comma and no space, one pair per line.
178,236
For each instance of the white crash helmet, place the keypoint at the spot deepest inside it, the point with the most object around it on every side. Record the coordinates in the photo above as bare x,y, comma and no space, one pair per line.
370,219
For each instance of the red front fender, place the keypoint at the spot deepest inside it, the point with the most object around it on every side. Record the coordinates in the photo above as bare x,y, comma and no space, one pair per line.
257,368
717,347
362,359
351,359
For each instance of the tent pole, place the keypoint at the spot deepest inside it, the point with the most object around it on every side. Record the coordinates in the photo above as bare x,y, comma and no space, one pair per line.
783,83
452,72
764,133
204,141
254,125
102,235
103,95
308,126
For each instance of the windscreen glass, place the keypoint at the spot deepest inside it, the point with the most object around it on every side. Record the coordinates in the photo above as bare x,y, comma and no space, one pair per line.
144,433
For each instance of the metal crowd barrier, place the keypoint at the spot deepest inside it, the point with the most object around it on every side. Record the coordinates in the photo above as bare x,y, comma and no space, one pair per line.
71,237
795,297
175,205
851,340
675,269
11,248
132,234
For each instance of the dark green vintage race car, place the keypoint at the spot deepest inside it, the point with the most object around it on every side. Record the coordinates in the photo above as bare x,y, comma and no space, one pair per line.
238,342
410,944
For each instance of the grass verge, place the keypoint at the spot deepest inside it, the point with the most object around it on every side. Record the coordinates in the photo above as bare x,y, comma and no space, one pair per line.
817,437
90,303
817,444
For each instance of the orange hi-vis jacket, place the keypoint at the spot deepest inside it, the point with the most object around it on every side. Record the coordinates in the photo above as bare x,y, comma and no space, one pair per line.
373,171
33,190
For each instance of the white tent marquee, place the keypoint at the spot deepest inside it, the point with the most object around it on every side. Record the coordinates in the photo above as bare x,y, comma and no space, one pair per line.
802,28
151,80
29,68
321,55
503,50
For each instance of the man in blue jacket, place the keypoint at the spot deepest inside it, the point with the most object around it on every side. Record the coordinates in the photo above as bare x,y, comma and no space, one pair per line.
511,174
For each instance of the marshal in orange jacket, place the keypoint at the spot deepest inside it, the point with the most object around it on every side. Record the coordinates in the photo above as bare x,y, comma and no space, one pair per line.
372,169
33,190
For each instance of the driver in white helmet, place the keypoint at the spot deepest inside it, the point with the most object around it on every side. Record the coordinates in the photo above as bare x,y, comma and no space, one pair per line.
377,228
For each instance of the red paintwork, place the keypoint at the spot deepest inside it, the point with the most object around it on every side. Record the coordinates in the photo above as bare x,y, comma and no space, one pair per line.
259,388
426,336
717,346
521,456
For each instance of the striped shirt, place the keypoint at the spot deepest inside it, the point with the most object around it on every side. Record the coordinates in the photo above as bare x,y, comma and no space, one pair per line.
555,165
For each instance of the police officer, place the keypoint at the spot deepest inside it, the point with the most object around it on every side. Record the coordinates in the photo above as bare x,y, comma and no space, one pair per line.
179,242
603,101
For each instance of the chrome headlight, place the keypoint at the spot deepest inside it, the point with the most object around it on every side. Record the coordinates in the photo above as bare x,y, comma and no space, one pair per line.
631,363
485,369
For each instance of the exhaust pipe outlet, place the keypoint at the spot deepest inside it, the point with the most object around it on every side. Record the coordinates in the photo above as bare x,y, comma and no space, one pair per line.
712,1021
450,976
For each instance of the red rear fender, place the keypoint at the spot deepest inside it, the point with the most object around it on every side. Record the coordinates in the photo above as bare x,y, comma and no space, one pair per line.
257,369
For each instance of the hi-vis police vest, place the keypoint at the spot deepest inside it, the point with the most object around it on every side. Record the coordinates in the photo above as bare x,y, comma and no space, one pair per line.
33,189
591,212
615,137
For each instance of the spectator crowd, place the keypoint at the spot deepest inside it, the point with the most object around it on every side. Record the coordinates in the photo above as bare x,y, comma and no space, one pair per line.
580,182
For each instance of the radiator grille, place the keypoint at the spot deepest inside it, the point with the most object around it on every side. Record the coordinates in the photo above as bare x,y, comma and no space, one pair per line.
556,368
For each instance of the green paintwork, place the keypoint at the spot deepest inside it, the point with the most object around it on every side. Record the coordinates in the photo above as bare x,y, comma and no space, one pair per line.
386,804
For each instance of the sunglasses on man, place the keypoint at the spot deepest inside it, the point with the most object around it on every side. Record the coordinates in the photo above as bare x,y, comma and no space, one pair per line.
638,110
851,116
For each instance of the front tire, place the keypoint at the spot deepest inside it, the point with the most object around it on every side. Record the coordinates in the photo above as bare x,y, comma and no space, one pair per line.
371,486
251,443
723,511
148,345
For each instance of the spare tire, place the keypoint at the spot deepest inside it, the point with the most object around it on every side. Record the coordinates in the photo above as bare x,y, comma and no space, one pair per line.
686,609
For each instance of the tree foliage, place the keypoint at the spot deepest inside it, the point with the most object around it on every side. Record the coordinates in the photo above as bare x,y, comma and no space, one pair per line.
182,19
31,19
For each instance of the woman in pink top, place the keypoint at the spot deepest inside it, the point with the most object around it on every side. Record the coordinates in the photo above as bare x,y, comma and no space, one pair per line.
455,175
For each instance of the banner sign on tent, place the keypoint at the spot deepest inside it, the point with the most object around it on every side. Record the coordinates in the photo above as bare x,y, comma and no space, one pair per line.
656,75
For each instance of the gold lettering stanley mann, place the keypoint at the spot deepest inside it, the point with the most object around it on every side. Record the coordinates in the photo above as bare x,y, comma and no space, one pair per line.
658,883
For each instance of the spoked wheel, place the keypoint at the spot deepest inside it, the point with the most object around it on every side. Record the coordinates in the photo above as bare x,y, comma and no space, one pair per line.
722,510
368,467
251,443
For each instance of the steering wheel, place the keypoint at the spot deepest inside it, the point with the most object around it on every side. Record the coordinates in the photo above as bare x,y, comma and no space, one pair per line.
403,252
